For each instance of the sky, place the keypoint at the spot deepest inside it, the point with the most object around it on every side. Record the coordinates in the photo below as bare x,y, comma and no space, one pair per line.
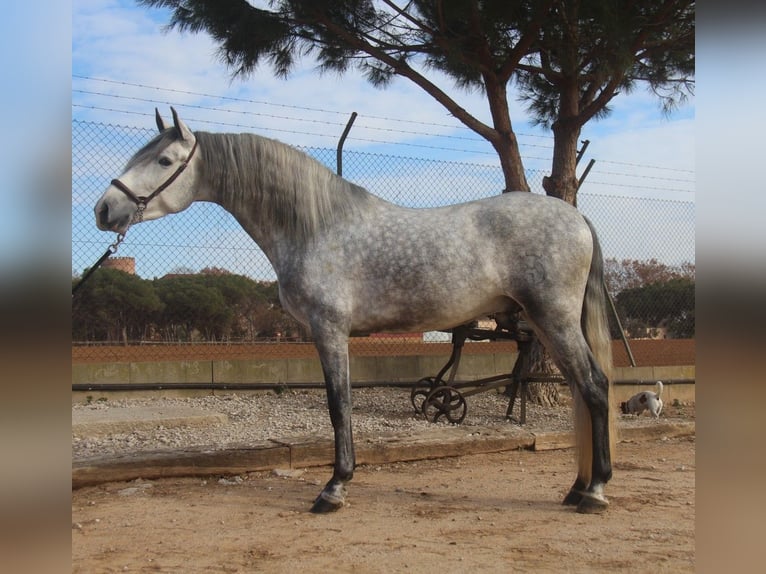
124,64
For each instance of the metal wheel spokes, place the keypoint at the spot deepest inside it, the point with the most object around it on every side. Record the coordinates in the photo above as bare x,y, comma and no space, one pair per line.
445,401
420,393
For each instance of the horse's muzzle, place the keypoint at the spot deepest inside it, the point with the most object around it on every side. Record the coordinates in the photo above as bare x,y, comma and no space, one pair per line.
107,221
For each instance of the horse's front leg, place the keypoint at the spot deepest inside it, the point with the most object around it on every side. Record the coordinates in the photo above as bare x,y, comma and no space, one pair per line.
333,353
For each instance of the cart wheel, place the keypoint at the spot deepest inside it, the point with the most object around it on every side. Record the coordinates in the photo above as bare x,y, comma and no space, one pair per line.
420,392
445,401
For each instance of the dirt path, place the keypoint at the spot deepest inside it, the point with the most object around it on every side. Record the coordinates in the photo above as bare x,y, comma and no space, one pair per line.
482,513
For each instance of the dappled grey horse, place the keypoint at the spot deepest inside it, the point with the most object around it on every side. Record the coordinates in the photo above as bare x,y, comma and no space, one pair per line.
348,262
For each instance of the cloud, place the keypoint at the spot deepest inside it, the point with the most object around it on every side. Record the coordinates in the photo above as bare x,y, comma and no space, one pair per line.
118,41
125,44
656,160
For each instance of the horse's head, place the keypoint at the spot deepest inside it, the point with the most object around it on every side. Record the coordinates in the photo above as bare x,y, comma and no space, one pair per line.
155,182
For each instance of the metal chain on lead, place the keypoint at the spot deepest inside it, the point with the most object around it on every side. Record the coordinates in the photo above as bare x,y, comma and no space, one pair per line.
113,247
138,217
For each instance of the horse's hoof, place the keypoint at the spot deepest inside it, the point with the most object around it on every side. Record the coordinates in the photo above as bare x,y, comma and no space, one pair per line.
592,505
323,505
573,498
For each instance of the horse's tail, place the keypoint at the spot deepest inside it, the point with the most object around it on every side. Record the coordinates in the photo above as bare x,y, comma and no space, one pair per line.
595,326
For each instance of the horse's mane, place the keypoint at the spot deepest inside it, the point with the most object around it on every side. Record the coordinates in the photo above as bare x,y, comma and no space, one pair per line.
279,185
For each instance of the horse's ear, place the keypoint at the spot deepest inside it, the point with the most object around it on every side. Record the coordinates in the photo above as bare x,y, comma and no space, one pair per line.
180,126
159,120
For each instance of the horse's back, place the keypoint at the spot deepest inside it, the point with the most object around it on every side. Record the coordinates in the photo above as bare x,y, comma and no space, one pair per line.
531,215
479,242
512,228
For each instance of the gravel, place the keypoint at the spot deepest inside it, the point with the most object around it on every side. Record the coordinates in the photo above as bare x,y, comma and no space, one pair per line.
263,415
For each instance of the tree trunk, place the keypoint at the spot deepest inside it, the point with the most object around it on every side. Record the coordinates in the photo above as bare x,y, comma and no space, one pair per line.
510,161
562,182
503,139
540,362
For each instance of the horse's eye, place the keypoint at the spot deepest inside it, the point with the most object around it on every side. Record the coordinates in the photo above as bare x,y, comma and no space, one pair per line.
165,162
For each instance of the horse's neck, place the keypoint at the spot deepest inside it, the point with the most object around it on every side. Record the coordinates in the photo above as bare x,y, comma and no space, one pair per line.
279,195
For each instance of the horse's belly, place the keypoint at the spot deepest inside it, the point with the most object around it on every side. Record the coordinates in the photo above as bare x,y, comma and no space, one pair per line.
421,312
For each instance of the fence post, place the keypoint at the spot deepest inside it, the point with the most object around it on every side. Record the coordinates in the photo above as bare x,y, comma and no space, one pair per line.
339,152
581,151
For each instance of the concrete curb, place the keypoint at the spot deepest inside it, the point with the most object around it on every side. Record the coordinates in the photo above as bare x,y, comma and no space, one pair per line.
299,453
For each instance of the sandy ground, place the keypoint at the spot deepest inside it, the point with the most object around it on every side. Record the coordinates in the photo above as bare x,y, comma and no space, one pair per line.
482,513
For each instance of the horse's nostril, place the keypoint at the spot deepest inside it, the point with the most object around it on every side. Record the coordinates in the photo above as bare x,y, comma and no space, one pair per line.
103,215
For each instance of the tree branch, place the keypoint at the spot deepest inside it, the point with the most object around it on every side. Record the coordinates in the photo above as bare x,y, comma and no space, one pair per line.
522,47
599,103
401,68
407,16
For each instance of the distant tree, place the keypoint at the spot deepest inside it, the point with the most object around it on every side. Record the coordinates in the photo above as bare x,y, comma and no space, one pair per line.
664,304
182,270
215,271
191,307
645,293
631,273
212,305
245,298
114,305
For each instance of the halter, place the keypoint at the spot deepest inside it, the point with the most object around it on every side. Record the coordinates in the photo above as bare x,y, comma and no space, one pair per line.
142,201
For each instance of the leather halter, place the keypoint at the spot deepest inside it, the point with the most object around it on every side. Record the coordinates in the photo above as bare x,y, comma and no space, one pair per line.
142,200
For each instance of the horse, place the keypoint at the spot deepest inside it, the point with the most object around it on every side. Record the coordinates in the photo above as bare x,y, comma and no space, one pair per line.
348,262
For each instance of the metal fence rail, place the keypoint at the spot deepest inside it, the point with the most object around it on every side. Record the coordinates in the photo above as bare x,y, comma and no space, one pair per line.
206,238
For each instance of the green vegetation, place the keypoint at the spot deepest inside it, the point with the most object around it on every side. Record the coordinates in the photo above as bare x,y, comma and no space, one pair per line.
653,299
213,305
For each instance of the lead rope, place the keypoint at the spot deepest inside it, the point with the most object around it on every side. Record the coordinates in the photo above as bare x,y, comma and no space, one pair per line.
109,251
138,217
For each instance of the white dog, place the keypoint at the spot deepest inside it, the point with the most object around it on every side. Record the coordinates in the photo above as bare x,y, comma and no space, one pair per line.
646,400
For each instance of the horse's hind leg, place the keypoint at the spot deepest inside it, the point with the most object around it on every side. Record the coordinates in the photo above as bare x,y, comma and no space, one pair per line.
579,494
591,394
590,388
584,449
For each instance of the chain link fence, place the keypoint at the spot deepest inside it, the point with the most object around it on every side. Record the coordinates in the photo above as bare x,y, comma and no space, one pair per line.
197,279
